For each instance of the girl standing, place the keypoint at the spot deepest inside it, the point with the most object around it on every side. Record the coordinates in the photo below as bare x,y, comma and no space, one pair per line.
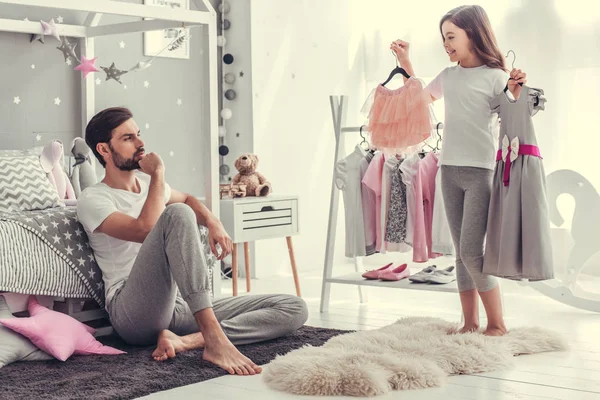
468,157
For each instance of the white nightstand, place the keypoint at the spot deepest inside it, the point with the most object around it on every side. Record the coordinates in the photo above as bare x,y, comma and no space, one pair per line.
253,218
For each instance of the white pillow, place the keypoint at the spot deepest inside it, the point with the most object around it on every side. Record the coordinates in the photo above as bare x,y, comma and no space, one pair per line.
16,347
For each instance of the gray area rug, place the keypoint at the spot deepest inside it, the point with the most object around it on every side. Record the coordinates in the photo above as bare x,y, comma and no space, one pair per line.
133,374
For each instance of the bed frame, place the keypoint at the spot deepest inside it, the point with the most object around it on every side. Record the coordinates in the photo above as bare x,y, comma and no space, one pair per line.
150,18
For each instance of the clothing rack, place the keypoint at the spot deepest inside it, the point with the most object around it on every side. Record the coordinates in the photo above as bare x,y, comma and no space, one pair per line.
563,292
339,105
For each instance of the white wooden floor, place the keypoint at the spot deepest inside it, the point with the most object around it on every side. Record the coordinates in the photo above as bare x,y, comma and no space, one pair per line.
572,375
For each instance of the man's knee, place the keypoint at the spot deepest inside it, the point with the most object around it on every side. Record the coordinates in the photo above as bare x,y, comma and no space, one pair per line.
180,212
298,311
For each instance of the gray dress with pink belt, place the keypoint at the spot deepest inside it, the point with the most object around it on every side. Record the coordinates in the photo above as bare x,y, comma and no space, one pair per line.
518,244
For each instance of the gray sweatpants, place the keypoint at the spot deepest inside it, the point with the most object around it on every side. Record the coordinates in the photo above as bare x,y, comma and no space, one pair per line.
172,261
466,192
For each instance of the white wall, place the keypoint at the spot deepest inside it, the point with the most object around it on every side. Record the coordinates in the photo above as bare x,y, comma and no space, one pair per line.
303,51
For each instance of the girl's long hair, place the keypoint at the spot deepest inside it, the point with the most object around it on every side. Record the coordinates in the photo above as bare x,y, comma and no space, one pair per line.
475,22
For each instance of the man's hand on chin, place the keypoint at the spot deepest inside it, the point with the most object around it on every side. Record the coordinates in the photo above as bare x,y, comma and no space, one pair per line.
217,234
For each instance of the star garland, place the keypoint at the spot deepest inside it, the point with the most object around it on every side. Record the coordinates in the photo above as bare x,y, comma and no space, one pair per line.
87,66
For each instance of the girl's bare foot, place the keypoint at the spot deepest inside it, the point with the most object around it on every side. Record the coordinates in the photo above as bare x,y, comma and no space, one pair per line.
170,344
224,354
496,331
468,328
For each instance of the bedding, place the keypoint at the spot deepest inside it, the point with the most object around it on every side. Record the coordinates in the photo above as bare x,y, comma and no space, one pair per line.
46,252
52,258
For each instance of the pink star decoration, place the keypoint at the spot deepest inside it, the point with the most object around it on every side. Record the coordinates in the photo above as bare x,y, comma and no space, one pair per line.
87,66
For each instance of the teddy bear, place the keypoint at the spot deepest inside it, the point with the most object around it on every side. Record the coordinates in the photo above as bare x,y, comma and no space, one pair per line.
52,161
83,174
256,183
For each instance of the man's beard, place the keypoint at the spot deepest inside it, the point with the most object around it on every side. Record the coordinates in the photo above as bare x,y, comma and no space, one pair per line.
125,164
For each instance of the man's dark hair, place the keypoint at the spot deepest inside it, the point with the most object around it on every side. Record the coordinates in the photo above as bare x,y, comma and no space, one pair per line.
100,127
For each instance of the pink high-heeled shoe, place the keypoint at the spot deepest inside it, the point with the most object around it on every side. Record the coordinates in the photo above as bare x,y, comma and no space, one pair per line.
375,273
396,274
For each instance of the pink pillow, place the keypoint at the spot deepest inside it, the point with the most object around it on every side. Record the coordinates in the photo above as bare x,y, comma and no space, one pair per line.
56,333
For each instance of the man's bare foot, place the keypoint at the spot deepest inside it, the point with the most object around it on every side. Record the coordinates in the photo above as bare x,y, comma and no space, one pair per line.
224,354
469,328
495,331
170,344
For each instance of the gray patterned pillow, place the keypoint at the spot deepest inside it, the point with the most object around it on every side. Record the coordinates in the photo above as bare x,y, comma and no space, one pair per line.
34,151
24,185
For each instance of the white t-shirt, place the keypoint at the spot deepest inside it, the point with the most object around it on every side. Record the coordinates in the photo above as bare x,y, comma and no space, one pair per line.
470,128
347,179
115,257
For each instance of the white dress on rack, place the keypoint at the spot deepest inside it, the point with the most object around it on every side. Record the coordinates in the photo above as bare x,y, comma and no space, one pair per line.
348,179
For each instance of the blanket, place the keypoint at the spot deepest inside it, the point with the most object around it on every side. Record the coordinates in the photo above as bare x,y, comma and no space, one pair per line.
61,232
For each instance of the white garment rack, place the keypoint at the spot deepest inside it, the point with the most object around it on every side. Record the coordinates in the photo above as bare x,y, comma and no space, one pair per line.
339,105
564,292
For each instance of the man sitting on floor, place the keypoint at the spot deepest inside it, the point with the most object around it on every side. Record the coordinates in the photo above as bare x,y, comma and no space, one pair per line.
146,241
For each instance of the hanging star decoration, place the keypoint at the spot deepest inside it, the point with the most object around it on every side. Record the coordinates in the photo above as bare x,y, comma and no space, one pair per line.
38,37
60,19
113,73
68,49
48,29
87,66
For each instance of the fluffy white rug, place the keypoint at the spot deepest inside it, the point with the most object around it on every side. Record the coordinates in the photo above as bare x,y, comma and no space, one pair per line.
412,353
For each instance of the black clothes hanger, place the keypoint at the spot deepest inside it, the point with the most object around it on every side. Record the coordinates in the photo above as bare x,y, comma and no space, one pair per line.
513,67
422,153
439,136
397,70
364,141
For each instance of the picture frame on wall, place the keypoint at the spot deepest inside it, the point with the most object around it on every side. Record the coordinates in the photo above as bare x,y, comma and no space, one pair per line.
157,41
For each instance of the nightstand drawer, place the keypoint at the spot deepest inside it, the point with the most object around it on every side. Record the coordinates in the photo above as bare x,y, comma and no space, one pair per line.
266,222
249,219
266,207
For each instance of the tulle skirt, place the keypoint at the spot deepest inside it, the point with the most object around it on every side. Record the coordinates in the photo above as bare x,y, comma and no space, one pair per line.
399,119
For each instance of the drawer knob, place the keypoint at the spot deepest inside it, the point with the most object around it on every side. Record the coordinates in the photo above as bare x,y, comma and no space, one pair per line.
267,208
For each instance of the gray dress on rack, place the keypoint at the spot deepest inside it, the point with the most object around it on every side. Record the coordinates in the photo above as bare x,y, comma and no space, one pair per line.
518,244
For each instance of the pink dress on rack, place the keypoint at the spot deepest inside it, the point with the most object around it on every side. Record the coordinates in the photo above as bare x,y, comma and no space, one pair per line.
372,181
399,118
424,190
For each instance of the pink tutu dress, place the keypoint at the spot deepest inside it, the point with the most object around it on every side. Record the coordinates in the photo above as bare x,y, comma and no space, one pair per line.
398,118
